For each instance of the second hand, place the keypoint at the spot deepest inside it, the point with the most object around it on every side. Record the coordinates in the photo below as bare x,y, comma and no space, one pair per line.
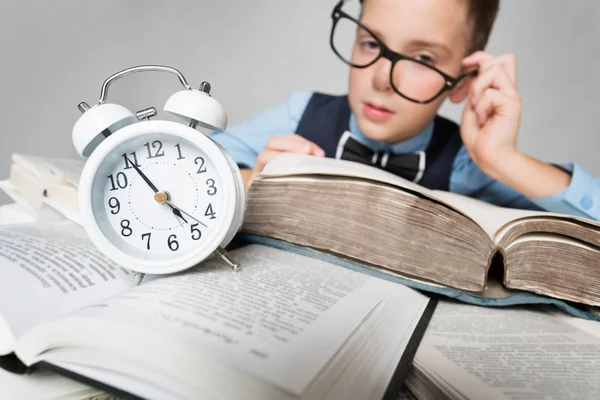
188,214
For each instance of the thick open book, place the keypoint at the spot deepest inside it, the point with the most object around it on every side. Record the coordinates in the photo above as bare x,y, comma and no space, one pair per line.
389,224
285,326
508,354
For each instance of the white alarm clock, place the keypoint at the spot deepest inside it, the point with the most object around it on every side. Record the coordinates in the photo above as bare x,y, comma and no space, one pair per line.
158,196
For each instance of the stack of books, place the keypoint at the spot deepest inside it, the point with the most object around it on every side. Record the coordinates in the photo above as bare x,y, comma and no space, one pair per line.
356,284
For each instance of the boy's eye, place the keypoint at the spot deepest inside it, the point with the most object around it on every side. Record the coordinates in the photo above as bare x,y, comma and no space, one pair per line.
369,44
426,58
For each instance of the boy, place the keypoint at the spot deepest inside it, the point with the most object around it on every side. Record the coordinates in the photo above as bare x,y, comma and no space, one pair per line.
406,57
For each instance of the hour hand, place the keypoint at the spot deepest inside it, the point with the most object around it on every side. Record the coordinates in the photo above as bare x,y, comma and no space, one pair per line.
163,198
174,207
144,177
177,213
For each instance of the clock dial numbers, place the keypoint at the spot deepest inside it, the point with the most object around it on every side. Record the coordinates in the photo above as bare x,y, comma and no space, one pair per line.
129,159
126,228
209,212
180,156
156,151
212,189
173,243
150,228
118,181
146,236
115,205
200,161
196,233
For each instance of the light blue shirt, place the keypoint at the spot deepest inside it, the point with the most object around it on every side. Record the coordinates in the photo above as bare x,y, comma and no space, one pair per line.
246,140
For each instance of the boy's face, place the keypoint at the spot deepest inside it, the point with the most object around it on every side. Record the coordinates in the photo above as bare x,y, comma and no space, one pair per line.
429,30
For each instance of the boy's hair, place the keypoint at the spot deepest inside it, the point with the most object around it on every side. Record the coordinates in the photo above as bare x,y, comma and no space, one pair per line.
481,15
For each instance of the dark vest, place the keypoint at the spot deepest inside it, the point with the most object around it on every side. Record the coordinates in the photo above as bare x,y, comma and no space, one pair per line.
326,118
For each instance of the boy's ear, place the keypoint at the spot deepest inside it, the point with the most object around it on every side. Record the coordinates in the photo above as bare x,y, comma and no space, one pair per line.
461,91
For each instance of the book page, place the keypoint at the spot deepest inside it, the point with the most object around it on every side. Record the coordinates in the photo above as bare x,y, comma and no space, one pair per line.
510,353
488,216
50,181
49,209
552,237
498,220
44,385
281,318
23,211
585,325
142,389
287,164
70,169
15,213
18,198
50,269
51,171
63,210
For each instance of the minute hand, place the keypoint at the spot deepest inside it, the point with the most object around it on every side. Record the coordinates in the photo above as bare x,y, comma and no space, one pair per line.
153,187
144,177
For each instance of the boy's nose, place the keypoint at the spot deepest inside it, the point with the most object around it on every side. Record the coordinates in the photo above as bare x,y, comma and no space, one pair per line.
381,74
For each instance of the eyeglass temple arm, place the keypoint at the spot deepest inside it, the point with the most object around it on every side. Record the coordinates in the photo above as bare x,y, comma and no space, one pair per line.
461,77
471,72
342,2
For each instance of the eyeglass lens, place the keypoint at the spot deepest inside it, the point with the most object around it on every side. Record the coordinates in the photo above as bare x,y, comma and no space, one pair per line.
357,47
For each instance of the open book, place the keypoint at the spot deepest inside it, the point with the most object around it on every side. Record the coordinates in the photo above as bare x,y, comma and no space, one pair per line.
509,354
285,326
389,224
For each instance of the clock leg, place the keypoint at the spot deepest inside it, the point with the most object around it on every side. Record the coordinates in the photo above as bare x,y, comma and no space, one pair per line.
138,277
223,253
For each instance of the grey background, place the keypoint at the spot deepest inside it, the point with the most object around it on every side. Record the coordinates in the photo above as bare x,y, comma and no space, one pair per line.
254,53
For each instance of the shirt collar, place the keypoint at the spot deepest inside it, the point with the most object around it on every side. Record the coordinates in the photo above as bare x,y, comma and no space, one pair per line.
415,143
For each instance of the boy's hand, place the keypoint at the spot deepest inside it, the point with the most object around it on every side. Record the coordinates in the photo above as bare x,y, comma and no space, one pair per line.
284,144
492,114
490,124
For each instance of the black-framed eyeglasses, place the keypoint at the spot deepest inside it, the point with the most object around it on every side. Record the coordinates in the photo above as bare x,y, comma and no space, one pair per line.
413,79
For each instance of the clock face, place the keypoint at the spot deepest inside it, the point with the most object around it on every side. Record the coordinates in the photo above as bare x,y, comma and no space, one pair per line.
158,197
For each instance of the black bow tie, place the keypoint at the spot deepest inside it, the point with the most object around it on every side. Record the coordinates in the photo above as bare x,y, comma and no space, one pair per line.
409,166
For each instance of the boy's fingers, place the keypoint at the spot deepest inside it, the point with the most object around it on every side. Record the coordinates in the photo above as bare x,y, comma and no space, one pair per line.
486,61
495,78
263,159
284,143
492,101
469,125
294,144
476,59
301,145
317,151
485,107
507,61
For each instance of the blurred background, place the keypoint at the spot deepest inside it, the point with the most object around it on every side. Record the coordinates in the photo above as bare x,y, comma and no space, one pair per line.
56,54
